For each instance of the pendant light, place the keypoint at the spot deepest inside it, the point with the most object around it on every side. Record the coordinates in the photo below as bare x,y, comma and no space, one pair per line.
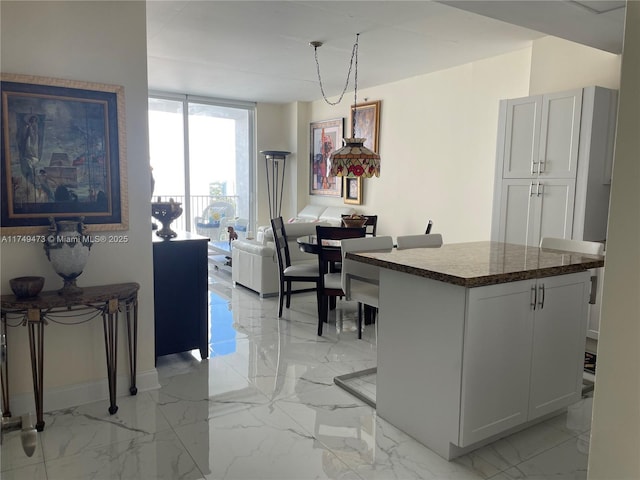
353,159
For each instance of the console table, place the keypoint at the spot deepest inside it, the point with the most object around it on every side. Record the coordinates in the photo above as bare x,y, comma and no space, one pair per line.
34,313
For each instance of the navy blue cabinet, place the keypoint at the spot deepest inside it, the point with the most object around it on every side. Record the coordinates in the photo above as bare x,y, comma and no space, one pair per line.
180,289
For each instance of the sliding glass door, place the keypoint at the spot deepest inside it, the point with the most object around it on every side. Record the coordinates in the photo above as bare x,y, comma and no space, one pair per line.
201,155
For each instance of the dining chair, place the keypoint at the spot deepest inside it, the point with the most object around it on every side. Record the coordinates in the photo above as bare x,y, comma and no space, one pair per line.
431,240
330,253
361,281
580,246
371,223
289,273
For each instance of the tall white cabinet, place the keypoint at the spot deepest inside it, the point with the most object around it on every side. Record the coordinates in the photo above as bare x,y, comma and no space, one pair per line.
553,168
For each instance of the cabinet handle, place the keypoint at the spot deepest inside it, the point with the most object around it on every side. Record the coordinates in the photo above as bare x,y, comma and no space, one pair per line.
531,189
535,170
541,302
541,165
534,296
539,189
594,290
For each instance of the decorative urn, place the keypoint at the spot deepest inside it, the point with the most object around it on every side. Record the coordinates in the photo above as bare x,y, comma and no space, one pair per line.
67,247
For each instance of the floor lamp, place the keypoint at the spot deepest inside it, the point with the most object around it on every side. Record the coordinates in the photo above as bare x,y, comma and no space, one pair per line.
275,163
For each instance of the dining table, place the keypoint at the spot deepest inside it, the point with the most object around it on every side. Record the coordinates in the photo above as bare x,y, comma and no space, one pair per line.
309,243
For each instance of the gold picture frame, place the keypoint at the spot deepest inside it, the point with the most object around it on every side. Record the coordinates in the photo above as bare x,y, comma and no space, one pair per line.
63,154
325,138
367,117
353,190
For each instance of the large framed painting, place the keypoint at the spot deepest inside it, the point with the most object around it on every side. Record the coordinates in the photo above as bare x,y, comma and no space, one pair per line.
367,117
63,154
326,137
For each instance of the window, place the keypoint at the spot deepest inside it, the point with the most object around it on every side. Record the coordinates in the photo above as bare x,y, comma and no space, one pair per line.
214,165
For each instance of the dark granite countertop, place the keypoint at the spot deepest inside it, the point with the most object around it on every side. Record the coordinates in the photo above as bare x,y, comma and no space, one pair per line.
477,264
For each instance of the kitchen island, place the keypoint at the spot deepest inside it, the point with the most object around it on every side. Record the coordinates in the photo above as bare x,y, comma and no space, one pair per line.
478,340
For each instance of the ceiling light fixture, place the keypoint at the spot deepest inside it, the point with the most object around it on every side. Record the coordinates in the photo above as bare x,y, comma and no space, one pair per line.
353,159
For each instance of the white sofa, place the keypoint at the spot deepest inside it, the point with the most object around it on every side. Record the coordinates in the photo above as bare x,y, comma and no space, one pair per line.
312,214
318,213
255,263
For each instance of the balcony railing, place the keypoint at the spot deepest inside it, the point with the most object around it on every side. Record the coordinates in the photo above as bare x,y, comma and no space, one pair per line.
197,203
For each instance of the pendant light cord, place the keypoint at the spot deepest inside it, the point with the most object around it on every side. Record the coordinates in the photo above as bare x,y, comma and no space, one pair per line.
354,56
355,89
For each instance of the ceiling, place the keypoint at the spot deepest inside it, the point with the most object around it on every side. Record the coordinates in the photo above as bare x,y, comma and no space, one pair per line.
259,50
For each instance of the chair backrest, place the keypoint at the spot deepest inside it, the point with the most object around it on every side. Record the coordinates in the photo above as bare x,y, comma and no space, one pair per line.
361,270
280,240
371,223
431,240
580,246
331,254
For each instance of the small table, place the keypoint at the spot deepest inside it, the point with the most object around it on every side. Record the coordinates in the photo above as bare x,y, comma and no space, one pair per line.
35,313
220,255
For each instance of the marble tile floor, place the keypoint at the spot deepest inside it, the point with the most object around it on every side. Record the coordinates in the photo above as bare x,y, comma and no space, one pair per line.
264,406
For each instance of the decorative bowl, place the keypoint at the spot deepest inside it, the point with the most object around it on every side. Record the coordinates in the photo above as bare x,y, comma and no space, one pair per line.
165,213
357,221
26,287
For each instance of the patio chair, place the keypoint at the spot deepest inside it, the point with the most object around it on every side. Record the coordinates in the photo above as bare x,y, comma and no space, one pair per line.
214,220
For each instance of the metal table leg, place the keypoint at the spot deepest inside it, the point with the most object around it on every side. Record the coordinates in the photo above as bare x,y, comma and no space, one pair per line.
132,337
35,325
342,382
110,322
4,371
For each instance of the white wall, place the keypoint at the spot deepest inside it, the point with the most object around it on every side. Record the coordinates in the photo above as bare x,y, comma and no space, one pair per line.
273,130
551,70
437,143
102,42
615,430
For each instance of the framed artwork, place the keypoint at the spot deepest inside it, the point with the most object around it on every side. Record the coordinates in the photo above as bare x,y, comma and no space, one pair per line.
353,190
326,137
367,116
63,154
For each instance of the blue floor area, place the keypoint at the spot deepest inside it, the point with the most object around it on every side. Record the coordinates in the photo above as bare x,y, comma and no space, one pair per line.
223,335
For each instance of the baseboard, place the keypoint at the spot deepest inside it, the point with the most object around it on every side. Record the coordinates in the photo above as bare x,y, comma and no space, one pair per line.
81,393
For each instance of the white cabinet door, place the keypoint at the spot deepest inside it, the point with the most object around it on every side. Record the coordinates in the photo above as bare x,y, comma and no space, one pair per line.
559,332
530,210
553,215
560,134
542,135
496,359
515,207
521,137
523,352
